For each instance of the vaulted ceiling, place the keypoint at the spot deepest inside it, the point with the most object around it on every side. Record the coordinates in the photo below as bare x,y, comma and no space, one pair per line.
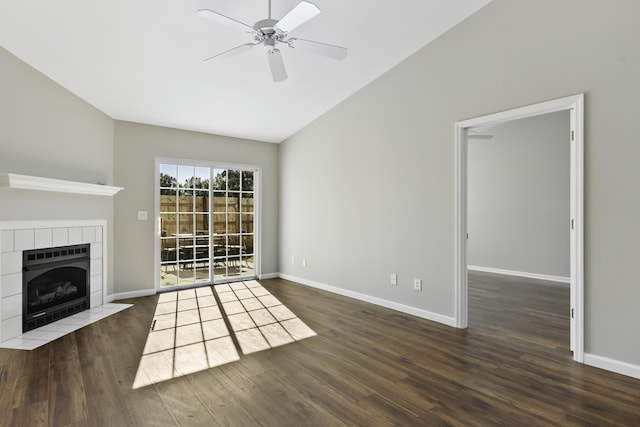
142,60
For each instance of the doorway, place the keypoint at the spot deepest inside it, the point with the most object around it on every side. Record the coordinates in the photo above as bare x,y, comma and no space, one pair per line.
574,105
207,223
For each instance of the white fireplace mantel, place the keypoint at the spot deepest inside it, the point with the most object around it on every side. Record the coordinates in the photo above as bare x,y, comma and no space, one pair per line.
26,182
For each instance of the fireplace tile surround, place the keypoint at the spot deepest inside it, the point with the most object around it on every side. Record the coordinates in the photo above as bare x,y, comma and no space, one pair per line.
17,236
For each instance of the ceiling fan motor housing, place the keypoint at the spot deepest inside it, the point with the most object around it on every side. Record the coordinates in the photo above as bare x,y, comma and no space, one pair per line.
267,31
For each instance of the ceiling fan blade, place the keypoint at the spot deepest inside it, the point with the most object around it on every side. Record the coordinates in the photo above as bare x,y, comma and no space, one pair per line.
298,16
328,50
221,19
276,64
233,51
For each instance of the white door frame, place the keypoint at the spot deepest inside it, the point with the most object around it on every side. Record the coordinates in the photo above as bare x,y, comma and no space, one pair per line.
575,105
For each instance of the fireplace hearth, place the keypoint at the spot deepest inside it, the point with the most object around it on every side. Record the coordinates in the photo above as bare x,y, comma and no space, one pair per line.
55,284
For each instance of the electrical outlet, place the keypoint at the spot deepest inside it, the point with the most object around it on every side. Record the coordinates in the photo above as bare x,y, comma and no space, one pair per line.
143,215
394,279
304,262
417,284
293,260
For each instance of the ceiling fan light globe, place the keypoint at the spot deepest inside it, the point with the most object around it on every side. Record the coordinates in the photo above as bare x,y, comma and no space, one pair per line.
269,44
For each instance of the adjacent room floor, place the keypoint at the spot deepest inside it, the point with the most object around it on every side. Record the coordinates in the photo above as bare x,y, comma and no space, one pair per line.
367,365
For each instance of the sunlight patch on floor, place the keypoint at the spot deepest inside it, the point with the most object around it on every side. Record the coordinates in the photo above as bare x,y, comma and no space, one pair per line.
258,320
189,332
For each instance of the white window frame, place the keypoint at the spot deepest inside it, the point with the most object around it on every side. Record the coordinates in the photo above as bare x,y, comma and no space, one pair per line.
257,234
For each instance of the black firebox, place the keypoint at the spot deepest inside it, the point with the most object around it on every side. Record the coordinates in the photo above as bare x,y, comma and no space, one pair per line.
55,284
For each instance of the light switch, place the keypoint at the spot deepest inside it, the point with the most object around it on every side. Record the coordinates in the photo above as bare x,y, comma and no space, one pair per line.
142,216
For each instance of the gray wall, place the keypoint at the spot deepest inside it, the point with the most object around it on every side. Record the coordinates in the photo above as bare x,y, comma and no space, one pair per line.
136,148
368,188
47,131
518,196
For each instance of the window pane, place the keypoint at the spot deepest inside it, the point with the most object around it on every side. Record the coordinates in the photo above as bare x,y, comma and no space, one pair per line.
202,201
247,180
247,202
168,176
233,266
202,224
219,179
233,202
220,271
185,201
201,178
247,267
168,225
185,224
168,275
233,223
185,275
185,176
167,200
220,253
202,274
185,253
185,247
247,223
233,180
233,246
247,244
201,252
202,237
219,224
168,245
219,202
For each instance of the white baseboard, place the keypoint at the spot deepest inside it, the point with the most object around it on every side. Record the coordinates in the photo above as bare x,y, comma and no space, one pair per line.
269,276
520,274
131,294
449,321
612,365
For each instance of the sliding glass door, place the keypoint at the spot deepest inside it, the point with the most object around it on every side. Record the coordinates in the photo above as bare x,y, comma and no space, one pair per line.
207,220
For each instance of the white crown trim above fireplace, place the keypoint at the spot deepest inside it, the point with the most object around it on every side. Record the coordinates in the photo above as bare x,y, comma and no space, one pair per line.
18,236
26,182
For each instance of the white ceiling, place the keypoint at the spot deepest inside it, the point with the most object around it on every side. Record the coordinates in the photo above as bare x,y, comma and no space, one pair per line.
142,60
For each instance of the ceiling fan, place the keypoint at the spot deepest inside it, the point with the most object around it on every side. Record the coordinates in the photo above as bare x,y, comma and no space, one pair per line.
270,32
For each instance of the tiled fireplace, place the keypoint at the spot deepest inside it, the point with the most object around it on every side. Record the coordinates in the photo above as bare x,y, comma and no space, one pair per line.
19,236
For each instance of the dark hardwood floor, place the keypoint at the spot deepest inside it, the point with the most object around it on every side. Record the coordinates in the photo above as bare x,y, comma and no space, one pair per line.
368,366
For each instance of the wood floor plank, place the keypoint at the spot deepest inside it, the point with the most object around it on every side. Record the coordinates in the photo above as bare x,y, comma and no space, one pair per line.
331,401
30,415
368,365
67,397
185,406
226,409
